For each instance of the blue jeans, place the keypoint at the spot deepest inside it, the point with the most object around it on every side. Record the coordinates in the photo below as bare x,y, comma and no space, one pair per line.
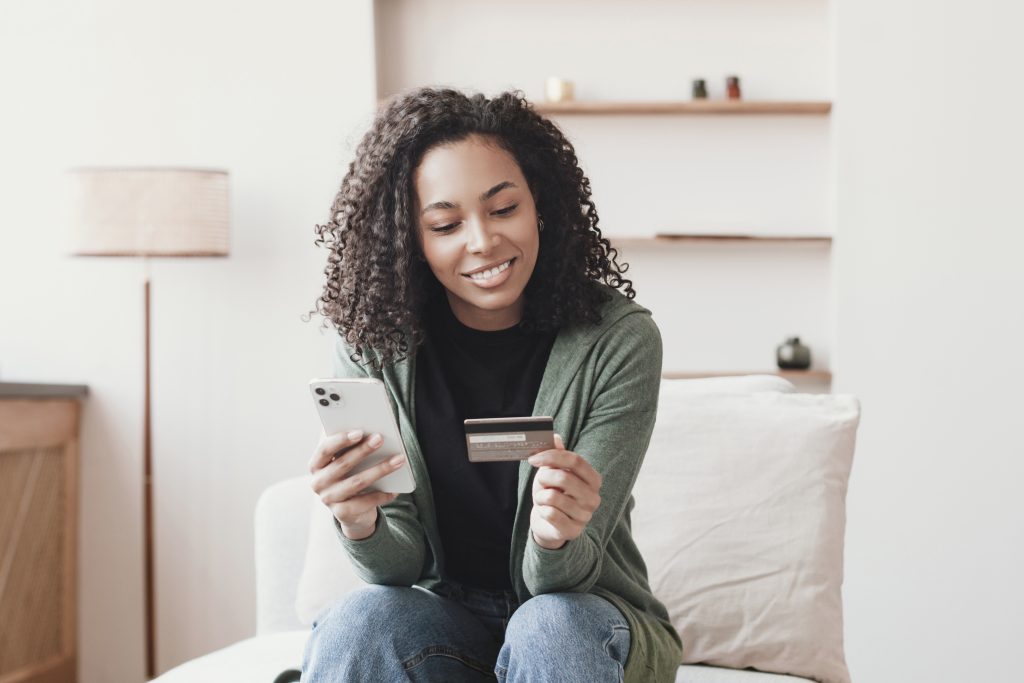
381,634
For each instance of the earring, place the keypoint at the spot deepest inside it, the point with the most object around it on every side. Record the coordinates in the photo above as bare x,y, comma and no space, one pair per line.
540,224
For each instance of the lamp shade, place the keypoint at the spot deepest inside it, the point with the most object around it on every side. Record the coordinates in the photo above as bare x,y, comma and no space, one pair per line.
149,212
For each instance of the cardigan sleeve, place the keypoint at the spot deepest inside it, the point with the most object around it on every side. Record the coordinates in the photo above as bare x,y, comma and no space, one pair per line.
393,554
613,438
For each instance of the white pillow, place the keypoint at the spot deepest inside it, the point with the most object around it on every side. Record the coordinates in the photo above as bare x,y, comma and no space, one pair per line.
327,574
740,516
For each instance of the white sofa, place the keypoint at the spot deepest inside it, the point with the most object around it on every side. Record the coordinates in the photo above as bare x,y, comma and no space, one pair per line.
282,518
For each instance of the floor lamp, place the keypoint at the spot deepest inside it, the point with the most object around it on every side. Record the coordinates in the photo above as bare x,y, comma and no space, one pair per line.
147,213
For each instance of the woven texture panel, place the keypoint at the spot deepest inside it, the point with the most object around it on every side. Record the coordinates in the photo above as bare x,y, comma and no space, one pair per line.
32,543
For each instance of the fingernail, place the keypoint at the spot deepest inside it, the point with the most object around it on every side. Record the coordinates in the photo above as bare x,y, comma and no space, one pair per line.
396,460
355,435
376,440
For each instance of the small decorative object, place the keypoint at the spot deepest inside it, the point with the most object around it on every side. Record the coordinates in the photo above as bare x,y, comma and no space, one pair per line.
793,355
558,89
732,87
700,89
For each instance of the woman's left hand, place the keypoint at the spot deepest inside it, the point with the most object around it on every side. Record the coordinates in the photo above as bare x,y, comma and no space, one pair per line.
565,496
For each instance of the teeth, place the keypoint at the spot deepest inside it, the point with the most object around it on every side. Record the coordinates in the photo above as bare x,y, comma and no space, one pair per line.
488,274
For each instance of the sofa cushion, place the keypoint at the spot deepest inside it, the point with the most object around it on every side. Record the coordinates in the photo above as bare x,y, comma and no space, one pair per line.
327,574
740,517
256,660
696,673
261,659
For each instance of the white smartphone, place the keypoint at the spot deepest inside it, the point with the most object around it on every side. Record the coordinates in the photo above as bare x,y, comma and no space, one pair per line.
347,404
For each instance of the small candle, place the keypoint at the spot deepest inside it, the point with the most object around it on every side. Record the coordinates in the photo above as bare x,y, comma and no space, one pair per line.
558,89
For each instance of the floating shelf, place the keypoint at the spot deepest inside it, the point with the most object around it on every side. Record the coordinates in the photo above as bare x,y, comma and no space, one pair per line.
717,237
685,107
820,375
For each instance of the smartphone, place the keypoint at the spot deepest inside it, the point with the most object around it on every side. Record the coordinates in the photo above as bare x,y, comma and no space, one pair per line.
347,404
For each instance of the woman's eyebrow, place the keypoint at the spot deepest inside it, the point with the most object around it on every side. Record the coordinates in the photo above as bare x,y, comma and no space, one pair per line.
505,184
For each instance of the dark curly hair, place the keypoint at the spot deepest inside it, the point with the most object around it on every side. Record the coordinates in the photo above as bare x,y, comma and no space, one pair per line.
377,288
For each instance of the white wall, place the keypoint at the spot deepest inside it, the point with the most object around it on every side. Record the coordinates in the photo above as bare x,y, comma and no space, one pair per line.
276,95
930,336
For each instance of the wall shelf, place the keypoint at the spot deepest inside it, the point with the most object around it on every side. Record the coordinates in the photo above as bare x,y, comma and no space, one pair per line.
820,375
728,107
661,238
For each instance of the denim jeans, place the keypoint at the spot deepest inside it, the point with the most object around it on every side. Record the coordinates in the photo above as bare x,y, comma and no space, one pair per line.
380,634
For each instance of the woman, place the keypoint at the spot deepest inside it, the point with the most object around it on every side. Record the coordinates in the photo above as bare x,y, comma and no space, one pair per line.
467,272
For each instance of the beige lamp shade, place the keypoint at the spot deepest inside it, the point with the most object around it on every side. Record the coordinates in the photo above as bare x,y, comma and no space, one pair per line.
149,212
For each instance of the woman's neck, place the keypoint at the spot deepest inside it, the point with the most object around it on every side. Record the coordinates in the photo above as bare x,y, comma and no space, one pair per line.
483,319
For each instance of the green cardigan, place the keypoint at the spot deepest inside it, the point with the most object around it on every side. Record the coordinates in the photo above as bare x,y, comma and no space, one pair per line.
601,387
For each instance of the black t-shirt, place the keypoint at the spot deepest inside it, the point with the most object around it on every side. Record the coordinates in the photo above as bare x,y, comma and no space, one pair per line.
464,373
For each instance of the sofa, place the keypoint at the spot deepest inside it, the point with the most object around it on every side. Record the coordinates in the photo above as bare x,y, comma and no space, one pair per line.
740,516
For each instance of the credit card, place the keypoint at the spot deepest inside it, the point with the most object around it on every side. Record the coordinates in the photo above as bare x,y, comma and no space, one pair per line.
508,438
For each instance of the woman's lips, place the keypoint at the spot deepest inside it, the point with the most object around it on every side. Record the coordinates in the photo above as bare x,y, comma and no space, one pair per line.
495,281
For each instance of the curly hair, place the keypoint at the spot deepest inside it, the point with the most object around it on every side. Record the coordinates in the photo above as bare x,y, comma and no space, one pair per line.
378,287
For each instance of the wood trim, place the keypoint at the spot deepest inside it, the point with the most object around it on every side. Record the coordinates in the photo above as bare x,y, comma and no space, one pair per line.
35,423
733,107
661,238
56,670
820,375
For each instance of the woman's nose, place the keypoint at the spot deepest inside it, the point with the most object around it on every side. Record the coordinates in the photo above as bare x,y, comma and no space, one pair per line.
479,238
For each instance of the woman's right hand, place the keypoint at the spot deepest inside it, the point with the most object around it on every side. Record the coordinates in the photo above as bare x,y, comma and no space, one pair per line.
356,512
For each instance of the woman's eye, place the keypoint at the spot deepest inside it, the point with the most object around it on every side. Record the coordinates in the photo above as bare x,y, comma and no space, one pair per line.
507,210
445,228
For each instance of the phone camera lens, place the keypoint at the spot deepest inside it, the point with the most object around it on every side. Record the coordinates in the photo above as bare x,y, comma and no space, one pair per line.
335,397
324,402
320,391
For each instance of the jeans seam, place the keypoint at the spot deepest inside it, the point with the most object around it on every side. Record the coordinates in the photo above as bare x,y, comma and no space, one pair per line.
616,629
444,651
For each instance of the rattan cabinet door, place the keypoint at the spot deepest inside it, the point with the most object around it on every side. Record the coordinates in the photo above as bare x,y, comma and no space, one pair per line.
38,540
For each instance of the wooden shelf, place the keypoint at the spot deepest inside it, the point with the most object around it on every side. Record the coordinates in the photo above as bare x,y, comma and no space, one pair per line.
732,107
820,375
662,238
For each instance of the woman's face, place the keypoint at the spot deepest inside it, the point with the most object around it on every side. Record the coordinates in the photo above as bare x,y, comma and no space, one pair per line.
478,230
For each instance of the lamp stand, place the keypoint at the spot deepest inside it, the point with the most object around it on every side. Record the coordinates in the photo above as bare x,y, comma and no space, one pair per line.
147,467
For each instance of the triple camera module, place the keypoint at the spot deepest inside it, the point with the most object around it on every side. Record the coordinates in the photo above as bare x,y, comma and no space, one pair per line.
323,401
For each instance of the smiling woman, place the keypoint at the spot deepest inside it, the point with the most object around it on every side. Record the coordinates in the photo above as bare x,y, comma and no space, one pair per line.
467,273
395,200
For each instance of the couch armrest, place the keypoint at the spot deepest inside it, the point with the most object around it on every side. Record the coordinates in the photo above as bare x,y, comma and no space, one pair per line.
282,530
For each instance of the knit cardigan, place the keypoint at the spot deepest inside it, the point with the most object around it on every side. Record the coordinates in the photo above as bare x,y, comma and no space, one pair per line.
601,387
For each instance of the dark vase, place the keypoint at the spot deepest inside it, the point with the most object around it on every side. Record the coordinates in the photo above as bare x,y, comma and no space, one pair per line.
792,355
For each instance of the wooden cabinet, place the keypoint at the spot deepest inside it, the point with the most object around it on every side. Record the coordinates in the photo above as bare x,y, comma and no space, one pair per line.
38,532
